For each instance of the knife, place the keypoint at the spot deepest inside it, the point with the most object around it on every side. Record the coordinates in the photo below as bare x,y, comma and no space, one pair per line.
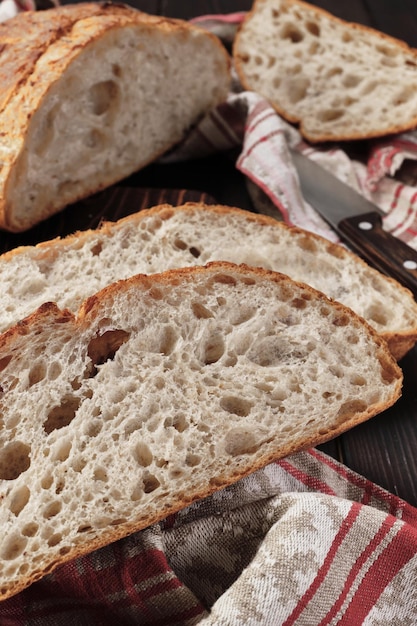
358,222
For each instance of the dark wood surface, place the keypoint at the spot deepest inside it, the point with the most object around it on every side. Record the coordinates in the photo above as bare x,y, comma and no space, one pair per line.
384,449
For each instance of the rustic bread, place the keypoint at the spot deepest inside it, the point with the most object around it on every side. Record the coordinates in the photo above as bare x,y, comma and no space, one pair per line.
162,390
338,80
91,93
67,271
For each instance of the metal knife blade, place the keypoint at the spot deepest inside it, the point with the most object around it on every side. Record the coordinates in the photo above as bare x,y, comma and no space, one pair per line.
357,221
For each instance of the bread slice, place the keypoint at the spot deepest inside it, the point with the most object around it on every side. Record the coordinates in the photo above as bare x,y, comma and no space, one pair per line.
162,390
338,80
92,92
68,270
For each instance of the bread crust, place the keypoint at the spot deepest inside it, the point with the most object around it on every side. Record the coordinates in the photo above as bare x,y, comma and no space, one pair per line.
49,316
36,49
316,135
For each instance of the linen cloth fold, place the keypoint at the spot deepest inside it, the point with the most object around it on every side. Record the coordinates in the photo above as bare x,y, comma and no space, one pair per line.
304,541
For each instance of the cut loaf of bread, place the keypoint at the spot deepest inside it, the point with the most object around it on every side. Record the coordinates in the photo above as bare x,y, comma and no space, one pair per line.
67,271
91,93
338,80
162,390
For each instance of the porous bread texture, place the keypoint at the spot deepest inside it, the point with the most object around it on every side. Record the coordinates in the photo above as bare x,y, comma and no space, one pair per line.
338,80
163,390
193,234
110,90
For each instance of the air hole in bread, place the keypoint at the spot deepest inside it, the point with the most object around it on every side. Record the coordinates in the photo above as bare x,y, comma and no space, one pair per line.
62,415
19,499
224,279
61,451
330,115
92,429
84,528
180,422
195,252
313,28
238,441
54,540
377,314
341,320
142,454
200,311
180,244
291,32
388,51
242,314
351,80
13,546
37,373
236,405
150,483
30,529
369,87
168,340
52,509
4,362
14,460
404,96
334,71
192,460
336,371
358,380
299,303
118,521
103,96
104,347
78,463
213,349
46,481
351,407
100,474
176,472
273,351
297,89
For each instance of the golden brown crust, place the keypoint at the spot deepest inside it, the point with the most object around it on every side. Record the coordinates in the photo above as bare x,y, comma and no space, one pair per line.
294,119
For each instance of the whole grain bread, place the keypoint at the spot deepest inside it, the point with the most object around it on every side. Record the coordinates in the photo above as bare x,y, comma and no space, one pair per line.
90,93
338,80
162,390
69,270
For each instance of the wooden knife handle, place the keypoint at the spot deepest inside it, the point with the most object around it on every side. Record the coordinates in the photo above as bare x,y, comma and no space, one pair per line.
387,253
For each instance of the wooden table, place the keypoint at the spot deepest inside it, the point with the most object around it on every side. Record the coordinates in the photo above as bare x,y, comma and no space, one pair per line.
384,449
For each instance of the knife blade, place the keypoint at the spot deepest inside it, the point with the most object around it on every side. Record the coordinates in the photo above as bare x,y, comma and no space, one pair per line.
358,222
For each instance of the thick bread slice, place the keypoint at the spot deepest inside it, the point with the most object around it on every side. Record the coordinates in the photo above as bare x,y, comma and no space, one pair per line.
69,270
163,390
338,80
91,93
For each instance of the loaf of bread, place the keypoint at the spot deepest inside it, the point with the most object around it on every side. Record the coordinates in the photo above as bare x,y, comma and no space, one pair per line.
69,270
162,390
338,80
90,93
